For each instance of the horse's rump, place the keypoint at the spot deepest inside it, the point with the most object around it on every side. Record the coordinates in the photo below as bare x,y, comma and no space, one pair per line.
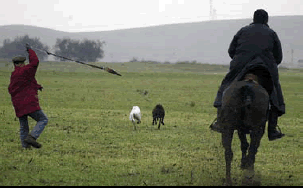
244,104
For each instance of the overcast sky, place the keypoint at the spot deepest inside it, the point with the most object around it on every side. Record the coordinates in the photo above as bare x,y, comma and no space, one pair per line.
102,15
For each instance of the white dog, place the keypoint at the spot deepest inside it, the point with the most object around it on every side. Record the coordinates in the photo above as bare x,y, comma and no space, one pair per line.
135,115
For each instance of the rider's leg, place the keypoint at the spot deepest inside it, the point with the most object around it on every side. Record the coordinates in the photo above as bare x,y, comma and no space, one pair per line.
273,133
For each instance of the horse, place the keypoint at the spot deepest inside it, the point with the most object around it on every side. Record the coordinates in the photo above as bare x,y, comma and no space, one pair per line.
245,105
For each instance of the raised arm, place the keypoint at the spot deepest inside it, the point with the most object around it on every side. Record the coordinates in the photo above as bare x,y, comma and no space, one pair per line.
33,59
31,68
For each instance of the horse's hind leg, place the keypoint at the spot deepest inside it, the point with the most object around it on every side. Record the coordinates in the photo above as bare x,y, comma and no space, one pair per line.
255,136
244,147
249,174
227,137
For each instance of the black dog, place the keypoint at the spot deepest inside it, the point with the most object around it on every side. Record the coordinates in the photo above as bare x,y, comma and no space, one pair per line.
158,114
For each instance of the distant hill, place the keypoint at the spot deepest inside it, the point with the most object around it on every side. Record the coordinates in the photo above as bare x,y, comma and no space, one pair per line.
204,42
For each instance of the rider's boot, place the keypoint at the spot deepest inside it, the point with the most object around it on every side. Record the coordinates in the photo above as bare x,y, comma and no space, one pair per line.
273,133
216,126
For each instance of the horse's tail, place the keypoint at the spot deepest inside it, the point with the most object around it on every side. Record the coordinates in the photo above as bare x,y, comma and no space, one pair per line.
247,94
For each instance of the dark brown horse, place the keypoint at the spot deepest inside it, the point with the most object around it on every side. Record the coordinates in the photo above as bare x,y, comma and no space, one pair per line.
244,108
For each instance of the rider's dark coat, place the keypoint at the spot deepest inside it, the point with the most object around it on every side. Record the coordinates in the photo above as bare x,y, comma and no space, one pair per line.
254,44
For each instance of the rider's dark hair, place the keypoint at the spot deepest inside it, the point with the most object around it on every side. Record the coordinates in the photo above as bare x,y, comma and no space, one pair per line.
260,16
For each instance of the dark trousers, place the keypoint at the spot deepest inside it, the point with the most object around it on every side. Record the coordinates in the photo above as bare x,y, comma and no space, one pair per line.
273,115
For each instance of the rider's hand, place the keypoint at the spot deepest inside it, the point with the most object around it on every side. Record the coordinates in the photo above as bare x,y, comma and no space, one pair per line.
27,46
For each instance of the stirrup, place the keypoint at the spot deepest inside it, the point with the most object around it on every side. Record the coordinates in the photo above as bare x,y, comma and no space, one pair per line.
279,129
216,128
278,135
213,123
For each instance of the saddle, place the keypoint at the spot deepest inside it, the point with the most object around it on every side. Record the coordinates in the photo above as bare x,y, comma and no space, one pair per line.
259,74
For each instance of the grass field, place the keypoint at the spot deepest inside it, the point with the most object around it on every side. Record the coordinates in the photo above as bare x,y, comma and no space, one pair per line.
89,139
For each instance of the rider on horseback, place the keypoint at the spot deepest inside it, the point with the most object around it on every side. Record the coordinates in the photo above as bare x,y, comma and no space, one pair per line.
256,40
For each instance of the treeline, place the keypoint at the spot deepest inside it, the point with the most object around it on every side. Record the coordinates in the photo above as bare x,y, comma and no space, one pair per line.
85,50
134,59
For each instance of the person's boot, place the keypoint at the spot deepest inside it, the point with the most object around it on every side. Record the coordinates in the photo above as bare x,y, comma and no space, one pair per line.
215,125
32,141
273,133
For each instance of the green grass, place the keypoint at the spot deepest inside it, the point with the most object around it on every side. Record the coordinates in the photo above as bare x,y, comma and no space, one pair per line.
90,141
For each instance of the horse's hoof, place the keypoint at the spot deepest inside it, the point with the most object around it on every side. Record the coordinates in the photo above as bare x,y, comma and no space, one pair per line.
243,166
250,181
227,183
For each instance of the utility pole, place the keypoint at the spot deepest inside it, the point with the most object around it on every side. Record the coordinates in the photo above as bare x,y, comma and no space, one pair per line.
292,56
212,11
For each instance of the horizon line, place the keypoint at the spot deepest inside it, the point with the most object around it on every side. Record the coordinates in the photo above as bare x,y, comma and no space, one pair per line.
156,25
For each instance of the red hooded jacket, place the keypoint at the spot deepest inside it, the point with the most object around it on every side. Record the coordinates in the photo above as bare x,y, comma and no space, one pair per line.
23,87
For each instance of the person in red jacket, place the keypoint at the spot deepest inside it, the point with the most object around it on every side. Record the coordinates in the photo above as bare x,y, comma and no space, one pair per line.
23,89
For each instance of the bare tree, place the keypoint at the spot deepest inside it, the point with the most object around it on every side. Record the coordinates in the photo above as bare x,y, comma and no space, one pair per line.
17,47
86,50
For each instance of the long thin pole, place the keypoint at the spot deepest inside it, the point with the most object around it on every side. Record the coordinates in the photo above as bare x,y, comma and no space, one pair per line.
94,66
